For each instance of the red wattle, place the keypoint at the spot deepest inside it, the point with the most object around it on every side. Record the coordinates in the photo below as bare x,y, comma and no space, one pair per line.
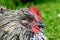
35,30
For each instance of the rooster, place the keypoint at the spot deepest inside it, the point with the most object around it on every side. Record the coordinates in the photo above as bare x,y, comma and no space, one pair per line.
35,21
22,24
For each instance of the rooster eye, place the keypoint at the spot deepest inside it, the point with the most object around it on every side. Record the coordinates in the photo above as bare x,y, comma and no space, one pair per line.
30,20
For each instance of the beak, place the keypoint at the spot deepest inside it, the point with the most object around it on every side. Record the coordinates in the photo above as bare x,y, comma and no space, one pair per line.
41,24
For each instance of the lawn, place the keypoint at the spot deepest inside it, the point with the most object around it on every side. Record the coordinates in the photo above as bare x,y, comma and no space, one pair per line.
50,13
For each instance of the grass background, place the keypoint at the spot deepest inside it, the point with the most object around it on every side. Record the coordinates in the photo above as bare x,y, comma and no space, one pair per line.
49,10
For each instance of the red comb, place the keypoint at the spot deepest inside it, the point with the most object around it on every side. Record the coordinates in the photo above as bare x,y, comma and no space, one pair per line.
36,13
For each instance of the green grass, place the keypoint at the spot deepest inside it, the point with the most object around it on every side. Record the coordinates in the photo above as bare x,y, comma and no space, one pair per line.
50,13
